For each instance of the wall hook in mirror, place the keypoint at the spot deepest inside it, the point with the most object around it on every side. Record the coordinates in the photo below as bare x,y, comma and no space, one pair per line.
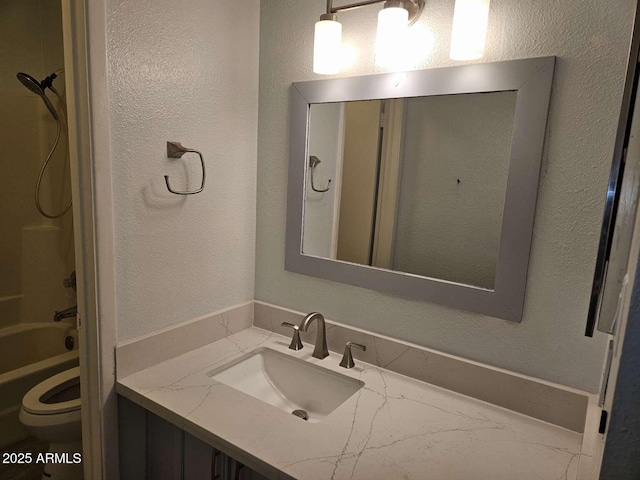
313,163
176,150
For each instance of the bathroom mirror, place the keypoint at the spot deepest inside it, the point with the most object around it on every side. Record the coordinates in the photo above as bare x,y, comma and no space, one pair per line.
417,184
421,184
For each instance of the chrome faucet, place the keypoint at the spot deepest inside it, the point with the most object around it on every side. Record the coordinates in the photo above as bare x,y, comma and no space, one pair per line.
66,313
321,350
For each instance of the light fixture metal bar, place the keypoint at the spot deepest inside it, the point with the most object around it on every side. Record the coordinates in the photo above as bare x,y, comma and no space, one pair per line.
414,6
350,6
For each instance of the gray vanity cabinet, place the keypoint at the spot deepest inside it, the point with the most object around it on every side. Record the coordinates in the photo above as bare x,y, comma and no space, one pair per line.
152,448
202,462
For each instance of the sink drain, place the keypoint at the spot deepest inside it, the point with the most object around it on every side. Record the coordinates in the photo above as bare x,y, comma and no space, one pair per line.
300,413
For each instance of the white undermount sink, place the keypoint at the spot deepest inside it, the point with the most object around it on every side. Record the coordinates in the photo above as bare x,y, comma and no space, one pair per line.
288,383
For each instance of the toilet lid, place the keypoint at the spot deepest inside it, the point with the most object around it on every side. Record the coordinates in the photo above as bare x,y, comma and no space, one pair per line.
35,401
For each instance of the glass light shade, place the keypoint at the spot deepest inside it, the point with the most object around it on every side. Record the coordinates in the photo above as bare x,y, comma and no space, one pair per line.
391,38
469,32
327,47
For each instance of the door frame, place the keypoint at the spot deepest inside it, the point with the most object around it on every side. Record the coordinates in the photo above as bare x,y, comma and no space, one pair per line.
85,49
389,183
620,459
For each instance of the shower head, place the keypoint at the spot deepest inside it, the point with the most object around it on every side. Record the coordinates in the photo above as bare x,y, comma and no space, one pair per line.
37,88
31,83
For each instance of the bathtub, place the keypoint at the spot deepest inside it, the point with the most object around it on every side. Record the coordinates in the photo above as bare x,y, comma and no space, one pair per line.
29,353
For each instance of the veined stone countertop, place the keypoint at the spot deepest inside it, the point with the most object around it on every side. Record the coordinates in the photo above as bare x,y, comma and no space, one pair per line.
394,427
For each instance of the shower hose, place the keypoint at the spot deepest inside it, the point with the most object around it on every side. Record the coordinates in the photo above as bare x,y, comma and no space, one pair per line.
48,159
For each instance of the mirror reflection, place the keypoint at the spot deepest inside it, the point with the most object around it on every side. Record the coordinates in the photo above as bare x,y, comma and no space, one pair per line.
415,185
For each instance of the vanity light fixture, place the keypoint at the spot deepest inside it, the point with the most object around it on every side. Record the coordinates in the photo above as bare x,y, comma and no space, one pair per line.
327,43
391,37
393,22
469,31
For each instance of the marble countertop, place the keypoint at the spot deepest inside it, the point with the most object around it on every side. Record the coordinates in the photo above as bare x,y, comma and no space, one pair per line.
394,427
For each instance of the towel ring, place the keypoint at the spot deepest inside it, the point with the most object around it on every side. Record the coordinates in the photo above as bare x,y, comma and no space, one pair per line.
176,150
313,163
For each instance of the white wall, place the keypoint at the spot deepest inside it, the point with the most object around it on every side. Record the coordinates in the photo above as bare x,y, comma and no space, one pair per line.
325,142
590,39
187,72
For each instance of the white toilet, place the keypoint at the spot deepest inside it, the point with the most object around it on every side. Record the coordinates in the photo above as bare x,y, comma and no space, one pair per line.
51,412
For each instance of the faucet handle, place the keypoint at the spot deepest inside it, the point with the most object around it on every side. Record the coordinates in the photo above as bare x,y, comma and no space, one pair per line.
347,358
296,343
71,282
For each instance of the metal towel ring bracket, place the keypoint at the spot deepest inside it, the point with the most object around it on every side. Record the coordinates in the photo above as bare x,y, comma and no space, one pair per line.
176,150
313,163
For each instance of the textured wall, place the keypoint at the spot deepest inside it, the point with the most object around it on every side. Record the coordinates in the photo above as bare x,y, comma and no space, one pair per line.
325,142
188,72
590,39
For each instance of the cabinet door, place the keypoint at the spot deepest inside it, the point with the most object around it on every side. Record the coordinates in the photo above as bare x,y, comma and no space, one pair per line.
238,471
164,449
152,448
201,461
132,440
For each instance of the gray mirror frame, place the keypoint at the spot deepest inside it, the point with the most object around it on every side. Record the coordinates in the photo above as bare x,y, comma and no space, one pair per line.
532,79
